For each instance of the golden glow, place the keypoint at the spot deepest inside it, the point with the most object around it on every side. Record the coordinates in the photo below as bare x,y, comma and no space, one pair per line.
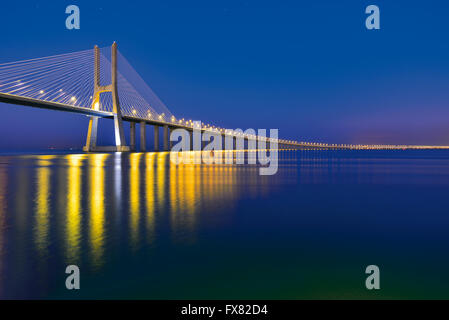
134,196
185,193
43,204
73,215
173,192
162,158
96,207
159,193
149,195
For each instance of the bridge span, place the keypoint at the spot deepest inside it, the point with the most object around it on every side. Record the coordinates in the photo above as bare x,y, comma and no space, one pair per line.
46,83
101,84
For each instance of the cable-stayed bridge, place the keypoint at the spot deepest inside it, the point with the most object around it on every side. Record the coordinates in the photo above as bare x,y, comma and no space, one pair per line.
101,83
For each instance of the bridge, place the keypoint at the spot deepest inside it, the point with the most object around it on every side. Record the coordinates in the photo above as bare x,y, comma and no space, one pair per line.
101,83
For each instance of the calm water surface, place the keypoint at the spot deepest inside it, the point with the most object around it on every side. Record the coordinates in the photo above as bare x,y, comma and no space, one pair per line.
141,227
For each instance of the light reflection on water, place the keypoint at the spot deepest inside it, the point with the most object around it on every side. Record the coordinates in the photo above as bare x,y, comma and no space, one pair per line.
74,209
79,206
42,207
139,221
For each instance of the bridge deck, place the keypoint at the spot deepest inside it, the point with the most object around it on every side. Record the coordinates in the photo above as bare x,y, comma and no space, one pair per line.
36,103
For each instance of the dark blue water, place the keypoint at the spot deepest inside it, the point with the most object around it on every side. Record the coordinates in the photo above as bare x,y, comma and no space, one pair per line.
139,226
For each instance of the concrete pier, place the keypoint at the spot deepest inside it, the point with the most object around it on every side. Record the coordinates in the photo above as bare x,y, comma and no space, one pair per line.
170,143
191,139
166,138
132,136
156,138
143,136
91,143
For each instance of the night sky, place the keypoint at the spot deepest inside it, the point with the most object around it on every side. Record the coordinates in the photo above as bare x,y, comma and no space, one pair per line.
309,68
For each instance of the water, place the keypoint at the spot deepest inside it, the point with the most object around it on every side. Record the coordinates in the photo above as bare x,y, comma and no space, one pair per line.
141,227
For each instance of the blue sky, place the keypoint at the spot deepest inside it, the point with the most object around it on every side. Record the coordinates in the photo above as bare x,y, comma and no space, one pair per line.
309,68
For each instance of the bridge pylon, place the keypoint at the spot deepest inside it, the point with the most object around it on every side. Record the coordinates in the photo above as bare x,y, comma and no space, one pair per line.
91,141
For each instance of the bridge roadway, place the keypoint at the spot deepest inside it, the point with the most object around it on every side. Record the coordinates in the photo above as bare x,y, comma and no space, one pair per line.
36,103
282,144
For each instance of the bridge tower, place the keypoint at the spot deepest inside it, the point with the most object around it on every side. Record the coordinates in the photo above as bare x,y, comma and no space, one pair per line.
91,141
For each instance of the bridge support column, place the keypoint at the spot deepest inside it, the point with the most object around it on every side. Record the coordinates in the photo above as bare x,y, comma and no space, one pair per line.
229,142
132,136
143,136
118,123
91,141
166,138
191,140
156,138
120,143
223,142
169,140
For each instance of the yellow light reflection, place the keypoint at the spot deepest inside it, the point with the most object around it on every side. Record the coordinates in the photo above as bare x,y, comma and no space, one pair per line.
96,207
162,159
134,196
149,196
43,204
73,213
173,191
182,200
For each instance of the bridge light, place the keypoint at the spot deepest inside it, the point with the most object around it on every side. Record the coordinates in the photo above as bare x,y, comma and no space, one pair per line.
73,99
41,92
134,111
96,105
149,114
